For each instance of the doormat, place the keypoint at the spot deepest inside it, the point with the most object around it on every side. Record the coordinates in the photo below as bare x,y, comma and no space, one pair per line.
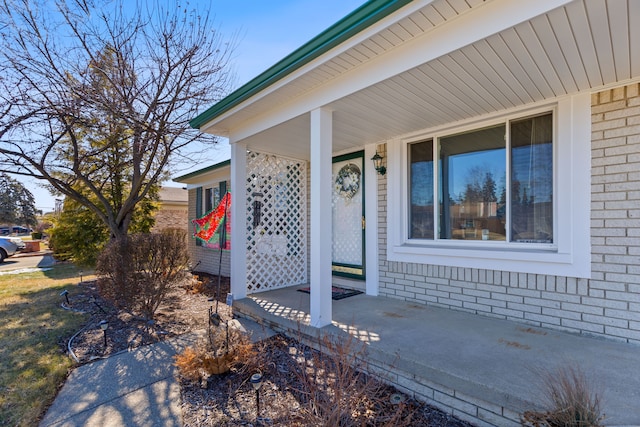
336,292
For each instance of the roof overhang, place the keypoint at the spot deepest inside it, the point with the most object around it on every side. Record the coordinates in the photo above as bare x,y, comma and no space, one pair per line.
425,64
211,173
347,27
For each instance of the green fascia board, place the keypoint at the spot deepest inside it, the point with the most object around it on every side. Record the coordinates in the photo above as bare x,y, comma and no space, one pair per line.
358,20
202,171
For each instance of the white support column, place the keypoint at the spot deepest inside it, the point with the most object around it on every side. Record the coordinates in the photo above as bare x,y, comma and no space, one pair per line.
238,220
321,148
371,215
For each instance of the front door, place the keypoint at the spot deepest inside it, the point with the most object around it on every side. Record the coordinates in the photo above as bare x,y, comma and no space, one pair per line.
348,215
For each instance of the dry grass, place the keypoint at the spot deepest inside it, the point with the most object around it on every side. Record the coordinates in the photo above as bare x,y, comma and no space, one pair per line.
32,328
572,401
335,391
222,350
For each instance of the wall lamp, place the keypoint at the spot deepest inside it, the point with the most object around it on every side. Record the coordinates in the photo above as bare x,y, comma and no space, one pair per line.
377,164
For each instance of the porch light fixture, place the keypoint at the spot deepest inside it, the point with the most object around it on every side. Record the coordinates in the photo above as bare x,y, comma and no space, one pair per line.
377,164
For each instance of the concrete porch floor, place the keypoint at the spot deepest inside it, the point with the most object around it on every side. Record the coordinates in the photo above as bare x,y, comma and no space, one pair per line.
481,369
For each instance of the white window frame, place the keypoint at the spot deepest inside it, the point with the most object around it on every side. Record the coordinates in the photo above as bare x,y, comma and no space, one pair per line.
569,255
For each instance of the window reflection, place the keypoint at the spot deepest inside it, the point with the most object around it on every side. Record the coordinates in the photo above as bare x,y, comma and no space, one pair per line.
421,176
531,180
472,179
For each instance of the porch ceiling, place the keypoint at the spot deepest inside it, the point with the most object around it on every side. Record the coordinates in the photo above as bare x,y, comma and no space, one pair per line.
583,45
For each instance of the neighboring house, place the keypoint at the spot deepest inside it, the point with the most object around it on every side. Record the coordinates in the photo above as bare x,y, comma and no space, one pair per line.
510,132
172,212
206,187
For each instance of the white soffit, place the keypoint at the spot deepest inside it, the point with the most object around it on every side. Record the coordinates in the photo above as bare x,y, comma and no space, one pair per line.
578,47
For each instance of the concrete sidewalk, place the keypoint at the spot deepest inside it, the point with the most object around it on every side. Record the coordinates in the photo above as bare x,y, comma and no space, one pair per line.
134,389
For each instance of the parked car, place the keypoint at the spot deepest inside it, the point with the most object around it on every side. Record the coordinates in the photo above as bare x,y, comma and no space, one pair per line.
4,231
20,230
7,248
18,241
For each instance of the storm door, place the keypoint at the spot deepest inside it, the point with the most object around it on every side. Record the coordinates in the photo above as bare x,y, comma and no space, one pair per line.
347,207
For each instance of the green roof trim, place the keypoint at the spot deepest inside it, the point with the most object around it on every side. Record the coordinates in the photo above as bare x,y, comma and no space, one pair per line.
203,170
358,20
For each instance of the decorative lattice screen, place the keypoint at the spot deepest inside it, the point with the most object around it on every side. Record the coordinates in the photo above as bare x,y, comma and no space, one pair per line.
276,222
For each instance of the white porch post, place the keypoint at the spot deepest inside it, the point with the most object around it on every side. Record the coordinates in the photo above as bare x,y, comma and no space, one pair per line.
371,215
238,220
321,232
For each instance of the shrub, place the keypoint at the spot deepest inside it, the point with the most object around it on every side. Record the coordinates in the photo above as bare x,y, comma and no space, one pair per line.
137,272
226,348
196,285
335,390
571,399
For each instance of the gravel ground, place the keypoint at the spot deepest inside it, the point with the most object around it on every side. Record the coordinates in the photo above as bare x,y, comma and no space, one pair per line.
290,395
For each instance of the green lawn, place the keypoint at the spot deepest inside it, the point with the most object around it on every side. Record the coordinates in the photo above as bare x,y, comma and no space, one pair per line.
32,328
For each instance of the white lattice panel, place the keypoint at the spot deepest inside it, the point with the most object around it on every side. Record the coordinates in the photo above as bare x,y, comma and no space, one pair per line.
276,222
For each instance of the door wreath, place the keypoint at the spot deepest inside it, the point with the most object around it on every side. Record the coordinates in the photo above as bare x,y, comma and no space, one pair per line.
348,181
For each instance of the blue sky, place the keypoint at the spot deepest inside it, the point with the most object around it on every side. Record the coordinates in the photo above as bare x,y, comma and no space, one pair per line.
270,30
266,32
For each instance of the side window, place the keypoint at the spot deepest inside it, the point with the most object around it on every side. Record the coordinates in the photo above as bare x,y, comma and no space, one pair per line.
421,220
532,180
211,198
198,209
208,199
223,188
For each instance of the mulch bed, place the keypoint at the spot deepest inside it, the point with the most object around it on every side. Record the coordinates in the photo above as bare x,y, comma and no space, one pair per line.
186,310
228,399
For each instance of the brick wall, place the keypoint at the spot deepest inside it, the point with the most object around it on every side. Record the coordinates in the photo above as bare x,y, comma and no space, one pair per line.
209,258
608,304
170,218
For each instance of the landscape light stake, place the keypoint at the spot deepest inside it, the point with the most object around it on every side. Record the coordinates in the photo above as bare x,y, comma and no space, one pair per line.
227,336
104,325
65,294
93,300
256,382
214,318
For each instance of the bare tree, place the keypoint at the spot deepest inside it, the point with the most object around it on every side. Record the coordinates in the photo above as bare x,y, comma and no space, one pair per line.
98,96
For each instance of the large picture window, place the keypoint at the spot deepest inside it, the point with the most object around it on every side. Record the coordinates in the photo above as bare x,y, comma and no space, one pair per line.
493,184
